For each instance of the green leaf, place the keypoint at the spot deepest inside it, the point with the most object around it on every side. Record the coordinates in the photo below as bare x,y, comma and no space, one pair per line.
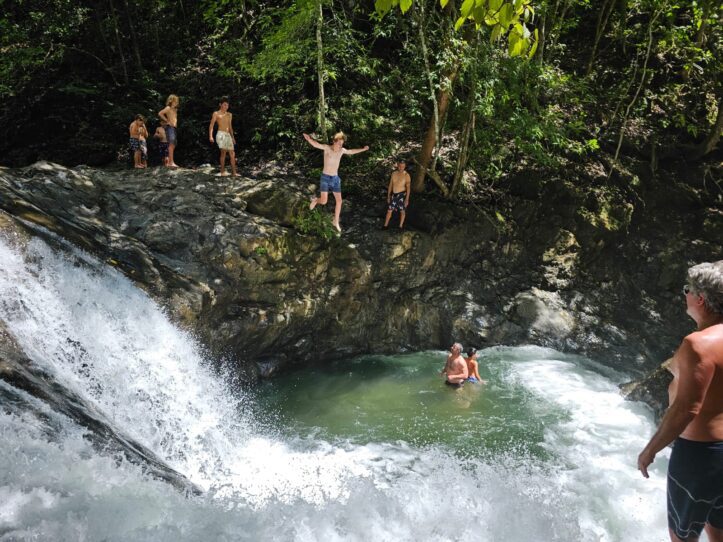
443,3
405,5
506,15
459,23
466,8
496,33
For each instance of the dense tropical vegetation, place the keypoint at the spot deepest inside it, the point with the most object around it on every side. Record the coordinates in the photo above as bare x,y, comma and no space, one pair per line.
472,91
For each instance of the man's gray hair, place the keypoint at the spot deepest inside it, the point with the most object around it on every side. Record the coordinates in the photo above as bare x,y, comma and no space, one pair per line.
459,346
706,279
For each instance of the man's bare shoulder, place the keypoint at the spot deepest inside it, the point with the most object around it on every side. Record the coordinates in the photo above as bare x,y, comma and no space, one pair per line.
704,345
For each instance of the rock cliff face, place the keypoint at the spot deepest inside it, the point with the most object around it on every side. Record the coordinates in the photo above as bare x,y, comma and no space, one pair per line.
573,272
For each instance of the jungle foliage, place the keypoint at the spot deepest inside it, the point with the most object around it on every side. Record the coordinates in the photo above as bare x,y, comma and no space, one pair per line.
470,90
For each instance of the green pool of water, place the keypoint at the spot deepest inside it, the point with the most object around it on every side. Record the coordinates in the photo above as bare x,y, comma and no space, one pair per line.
403,398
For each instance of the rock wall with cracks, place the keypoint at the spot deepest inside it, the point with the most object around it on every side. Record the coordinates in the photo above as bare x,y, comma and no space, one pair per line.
560,269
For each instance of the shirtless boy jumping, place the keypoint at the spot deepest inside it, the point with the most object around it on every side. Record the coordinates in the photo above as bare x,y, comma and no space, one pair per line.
398,191
169,114
330,174
224,136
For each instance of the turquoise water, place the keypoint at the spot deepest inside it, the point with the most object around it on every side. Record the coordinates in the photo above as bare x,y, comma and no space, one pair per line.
403,398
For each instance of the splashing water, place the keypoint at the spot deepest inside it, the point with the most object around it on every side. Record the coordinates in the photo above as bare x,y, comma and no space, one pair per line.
296,479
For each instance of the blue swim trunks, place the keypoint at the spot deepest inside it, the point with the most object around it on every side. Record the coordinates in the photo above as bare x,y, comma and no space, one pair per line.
695,487
329,183
163,149
171,135
472,379
135,144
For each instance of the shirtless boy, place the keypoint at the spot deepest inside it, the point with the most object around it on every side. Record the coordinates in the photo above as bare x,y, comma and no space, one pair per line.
137,129
330,174
224,136
169,115
455,369
473,367
694,419
160,135
398,191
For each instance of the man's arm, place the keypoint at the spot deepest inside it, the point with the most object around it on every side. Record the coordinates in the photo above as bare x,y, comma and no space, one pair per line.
389,188
356,151
694,377
163,114
210,127
230,128
313,142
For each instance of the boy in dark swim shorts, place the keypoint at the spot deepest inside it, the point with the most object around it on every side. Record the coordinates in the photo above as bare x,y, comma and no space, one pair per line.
398,192
137,132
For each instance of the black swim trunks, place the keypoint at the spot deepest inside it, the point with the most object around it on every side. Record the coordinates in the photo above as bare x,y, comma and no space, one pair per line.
397,202
695,487
452,384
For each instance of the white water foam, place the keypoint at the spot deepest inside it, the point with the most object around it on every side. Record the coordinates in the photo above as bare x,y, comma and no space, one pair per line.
106,340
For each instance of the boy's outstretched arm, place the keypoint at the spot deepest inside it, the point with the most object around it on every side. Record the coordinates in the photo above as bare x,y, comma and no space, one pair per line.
313,142
357,151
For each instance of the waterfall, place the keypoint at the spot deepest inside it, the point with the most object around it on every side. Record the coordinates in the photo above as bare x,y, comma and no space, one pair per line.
106,341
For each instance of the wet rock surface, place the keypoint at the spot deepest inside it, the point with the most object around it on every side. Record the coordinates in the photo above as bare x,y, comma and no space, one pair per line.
225,258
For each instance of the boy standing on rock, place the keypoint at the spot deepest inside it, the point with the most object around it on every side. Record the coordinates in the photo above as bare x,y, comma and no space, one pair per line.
169,115
398,192
160,135
136,131
224,136
330,174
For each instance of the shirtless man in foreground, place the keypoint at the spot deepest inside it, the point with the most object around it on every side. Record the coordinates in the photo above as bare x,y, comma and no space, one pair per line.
224,136
456,368
169,115
330,174
398,191
694,419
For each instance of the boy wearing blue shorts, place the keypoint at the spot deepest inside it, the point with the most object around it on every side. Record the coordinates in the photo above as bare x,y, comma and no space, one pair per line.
330,180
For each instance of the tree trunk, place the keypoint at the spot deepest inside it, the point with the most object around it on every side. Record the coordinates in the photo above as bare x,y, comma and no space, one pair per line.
320,71
700,37
602,21
463,157
431,137
134,38
643,77
710,142
119,43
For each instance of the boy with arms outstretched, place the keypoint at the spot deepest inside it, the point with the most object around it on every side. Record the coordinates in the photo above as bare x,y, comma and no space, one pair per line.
224,136
330,174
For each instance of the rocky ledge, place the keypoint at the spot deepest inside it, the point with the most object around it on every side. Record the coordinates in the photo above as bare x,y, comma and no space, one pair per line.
228,259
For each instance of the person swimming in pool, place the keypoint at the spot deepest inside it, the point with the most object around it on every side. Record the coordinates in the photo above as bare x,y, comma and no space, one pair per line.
455,369
473,367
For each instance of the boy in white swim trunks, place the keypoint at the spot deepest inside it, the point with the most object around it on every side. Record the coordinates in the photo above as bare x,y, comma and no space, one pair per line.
224,136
